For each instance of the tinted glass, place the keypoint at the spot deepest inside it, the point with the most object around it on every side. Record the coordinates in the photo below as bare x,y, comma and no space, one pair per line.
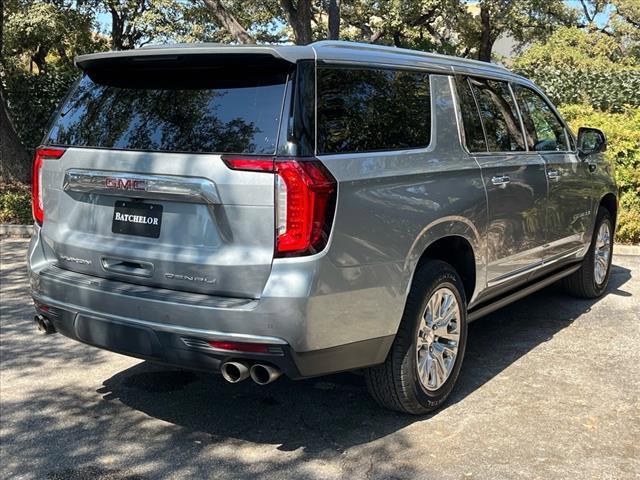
362,110
499,115
473,133
198,116
544,130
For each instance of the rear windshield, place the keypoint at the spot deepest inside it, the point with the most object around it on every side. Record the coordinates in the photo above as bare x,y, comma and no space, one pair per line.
185,112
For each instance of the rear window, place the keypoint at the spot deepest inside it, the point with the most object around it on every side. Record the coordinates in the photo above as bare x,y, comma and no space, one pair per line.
363,110
181,112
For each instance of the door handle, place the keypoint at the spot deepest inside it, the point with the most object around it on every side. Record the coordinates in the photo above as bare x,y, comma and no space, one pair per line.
500,180
553,175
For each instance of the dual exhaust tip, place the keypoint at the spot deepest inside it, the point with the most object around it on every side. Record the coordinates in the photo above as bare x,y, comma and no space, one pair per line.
44,324
237,371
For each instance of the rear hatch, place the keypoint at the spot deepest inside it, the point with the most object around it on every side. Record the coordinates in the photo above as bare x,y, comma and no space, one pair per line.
142,193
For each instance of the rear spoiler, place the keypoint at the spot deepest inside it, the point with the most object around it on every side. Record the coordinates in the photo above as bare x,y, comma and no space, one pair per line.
191,66
195,54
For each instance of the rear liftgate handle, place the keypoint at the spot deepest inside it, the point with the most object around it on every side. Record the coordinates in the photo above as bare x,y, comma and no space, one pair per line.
126,267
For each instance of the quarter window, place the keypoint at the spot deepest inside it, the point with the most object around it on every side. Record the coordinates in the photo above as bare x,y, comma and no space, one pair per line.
363,110
543,129
499,115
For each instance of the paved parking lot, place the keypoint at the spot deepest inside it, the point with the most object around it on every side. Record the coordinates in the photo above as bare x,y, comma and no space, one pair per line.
550,389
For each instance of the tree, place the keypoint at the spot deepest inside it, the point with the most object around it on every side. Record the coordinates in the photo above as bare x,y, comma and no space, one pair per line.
480,25
229,22
14,160
135,23
299,15
39,43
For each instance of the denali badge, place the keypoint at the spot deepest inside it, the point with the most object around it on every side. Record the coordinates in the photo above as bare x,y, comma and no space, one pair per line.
125,183
190,278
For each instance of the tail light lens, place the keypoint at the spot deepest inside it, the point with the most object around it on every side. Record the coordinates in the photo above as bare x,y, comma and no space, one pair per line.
240,346
42,153
305,194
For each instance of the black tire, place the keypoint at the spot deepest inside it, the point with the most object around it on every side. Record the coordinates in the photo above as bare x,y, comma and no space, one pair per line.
395,384
583,283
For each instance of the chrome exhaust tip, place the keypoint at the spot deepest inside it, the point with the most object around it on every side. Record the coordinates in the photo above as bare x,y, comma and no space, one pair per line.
264,374
234,372
44,325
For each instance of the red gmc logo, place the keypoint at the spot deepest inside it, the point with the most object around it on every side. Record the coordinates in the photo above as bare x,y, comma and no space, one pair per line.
125,184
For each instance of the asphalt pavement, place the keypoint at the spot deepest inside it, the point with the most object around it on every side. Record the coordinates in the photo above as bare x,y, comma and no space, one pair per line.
550,388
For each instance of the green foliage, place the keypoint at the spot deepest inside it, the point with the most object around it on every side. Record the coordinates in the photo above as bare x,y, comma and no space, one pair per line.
32,100
623,148
15,204
603,89
575,66
39,43
571,47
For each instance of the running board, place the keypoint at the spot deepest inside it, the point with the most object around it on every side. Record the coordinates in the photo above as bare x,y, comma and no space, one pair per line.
518,294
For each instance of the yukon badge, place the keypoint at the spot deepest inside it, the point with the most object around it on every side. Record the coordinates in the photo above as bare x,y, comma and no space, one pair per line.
125,184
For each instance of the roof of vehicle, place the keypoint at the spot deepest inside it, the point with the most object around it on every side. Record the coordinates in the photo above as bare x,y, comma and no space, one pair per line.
323,51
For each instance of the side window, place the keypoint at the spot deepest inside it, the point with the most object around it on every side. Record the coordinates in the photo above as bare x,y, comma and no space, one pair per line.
363,110
473,132
544,130
499,115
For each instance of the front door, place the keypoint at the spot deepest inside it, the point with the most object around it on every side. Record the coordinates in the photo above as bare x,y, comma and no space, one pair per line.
569,197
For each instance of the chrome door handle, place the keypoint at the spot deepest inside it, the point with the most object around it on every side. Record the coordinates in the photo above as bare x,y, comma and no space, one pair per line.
553,175
500,180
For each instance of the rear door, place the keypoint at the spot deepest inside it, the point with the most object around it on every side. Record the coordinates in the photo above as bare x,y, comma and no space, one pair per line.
569,212
514,179
142,193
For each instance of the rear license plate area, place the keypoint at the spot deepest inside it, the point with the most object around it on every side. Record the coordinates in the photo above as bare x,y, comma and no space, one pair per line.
137,218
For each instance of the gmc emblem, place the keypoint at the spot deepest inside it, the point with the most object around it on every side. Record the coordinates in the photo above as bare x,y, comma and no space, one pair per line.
125,184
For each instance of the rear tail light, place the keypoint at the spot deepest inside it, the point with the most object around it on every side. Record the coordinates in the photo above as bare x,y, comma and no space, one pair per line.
305,195
42,153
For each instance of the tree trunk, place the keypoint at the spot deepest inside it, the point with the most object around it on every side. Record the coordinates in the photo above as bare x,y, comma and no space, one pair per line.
486,39
334,20
116,30
229,22
300,20
15,163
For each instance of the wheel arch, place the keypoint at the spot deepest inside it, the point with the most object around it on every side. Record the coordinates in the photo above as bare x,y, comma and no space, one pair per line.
455,241
610,202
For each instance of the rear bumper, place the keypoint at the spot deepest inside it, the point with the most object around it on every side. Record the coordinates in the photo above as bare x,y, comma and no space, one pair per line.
173,327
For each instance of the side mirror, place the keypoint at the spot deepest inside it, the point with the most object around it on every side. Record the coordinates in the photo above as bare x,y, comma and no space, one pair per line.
590,141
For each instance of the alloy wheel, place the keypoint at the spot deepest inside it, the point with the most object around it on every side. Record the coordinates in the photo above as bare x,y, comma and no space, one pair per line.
438,339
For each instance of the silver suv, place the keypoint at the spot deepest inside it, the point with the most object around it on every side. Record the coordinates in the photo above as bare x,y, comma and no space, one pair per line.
259,210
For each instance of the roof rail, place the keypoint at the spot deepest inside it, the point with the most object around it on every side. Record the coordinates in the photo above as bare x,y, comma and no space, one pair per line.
404,51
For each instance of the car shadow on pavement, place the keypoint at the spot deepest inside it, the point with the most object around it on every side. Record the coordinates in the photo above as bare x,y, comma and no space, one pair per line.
333,413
